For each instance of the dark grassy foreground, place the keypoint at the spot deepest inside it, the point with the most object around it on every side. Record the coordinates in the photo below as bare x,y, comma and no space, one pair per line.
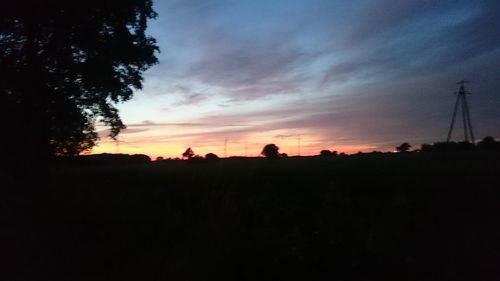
421,216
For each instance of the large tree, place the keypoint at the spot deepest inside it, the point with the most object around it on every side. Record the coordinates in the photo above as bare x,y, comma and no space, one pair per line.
271,151
66,64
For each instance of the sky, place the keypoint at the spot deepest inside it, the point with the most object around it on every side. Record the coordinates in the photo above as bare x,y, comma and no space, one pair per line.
307,75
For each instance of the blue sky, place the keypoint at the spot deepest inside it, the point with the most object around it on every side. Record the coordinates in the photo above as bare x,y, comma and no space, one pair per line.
343,75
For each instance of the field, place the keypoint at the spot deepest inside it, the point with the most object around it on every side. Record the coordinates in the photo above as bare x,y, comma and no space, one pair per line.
409,216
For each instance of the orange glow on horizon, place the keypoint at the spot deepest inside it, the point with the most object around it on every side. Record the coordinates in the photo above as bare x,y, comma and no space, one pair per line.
241,148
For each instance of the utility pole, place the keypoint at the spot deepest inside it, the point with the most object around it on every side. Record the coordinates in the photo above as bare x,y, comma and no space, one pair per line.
462,102
225,147
298,145
117,146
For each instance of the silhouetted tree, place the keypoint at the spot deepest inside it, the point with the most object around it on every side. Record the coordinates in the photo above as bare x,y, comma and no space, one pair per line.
326,153
65,64
196,158
270,151
426,147
284,155
211,157
188,154
488,143
448,146
404,147
159,158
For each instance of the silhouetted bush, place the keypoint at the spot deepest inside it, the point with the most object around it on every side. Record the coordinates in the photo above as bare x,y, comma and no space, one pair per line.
196,158
284,155
488,143
426,147
159,158
328,153
447,146
325,153
211,157
271,151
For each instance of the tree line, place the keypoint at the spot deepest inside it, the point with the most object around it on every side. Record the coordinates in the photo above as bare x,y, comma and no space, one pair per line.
271,151
487,143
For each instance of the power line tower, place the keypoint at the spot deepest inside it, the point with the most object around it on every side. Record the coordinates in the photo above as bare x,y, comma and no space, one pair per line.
117,145
467,124
298,145
225,147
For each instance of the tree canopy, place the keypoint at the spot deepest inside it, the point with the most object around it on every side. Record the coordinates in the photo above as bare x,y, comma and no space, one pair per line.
271,151
211,157
66,65
404,147
188,154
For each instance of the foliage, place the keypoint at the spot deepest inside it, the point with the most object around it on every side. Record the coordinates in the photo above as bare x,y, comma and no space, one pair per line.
66,64
188,154
196,158
271,151
327,153
404,147
447,146
489,143
211,157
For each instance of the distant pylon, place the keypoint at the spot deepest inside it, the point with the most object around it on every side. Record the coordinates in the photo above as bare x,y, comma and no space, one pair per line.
467,124
117,145
225,147
298,145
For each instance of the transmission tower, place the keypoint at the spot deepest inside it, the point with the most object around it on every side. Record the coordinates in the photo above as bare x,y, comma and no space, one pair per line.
298,145
462,102
117,145
225,147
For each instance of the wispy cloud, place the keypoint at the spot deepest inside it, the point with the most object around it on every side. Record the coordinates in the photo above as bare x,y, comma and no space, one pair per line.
365,73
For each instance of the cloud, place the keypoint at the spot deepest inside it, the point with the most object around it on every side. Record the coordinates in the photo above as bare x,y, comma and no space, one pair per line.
192,99
400,39
337,72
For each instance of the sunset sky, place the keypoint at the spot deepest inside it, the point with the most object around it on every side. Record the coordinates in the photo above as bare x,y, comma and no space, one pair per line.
358,75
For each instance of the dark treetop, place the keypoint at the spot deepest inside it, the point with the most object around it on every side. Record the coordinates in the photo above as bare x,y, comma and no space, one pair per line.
66,63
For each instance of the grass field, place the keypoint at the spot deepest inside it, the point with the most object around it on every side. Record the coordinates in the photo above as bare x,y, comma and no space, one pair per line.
414,216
